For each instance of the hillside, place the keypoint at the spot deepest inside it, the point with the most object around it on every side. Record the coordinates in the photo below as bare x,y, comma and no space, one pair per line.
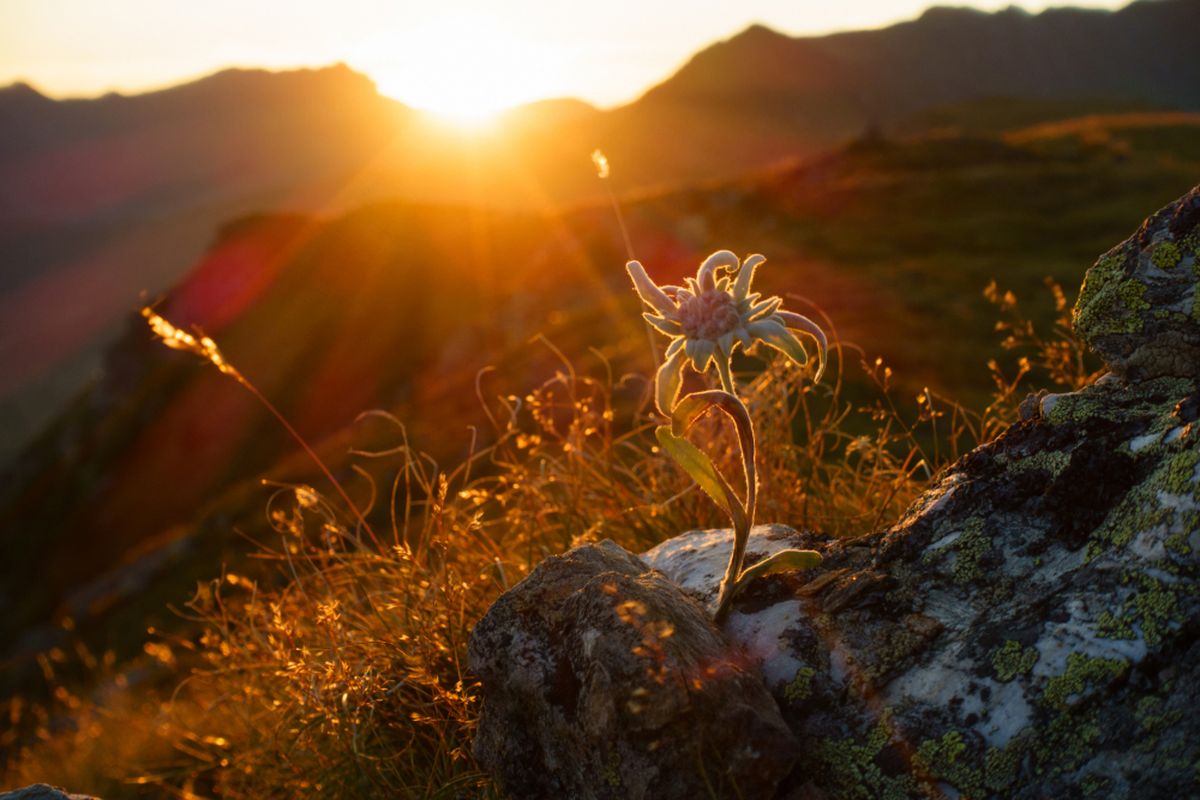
107,197
397,306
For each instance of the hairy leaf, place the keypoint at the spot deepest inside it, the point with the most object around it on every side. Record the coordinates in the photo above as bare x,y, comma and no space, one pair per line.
696,464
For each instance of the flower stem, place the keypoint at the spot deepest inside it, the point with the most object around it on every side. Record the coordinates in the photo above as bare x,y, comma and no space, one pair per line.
726,375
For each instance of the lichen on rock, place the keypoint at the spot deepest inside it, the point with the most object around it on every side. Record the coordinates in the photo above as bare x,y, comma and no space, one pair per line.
1139,307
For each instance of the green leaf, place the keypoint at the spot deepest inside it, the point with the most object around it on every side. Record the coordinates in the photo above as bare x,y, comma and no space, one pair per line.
783,561
690,409
668,381
697,465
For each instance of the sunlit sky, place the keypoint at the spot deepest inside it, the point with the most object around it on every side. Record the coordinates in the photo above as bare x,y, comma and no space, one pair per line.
454,56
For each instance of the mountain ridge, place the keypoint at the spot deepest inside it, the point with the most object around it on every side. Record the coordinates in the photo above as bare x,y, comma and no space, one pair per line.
122,193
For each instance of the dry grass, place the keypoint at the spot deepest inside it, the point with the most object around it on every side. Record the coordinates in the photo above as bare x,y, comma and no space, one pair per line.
340,670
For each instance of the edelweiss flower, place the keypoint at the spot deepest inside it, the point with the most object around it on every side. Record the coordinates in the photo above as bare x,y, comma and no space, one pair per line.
712,315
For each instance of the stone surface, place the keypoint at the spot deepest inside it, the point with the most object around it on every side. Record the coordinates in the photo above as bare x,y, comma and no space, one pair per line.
42,791
696,561
601,679
1139,308
1028,629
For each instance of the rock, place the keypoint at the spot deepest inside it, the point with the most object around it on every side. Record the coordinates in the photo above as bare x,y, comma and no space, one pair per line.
41,791
1139,308
1028,629
601,679
696,561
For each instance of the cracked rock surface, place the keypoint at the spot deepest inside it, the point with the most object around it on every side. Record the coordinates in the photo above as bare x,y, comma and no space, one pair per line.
601,679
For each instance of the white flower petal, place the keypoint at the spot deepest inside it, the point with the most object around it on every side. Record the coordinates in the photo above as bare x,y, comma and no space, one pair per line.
700,351
742,287
725,344
651,295
803,323
766,307
667,327
706,275
772,333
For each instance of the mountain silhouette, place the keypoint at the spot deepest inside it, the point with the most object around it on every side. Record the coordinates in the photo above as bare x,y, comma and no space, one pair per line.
102,198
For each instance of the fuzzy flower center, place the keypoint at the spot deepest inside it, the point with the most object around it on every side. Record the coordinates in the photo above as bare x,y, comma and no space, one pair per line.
710,315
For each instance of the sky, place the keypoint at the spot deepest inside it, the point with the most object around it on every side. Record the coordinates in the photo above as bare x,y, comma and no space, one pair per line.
459,57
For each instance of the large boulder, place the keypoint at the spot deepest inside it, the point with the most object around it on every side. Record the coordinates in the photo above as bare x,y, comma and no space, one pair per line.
601,679
1028,629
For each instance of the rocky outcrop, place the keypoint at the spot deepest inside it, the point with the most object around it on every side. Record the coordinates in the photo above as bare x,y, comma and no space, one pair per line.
1031,626
603,680
1139,307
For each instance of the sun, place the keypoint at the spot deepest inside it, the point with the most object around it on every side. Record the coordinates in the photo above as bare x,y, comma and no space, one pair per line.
462,68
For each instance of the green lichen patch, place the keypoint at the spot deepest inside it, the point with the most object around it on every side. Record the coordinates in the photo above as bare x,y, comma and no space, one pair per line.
1081,673
970,549
1195,248
949,760
942,759
1000,766
800,689
1156,606
1153,716
1166,255
892,646
1191,242
1178,543
1052,462
1010,660
1178,474
1111,626
1143,508
1096,403
848,768
1109,302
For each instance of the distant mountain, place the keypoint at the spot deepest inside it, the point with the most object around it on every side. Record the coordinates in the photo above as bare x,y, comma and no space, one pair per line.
102,198
761,95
